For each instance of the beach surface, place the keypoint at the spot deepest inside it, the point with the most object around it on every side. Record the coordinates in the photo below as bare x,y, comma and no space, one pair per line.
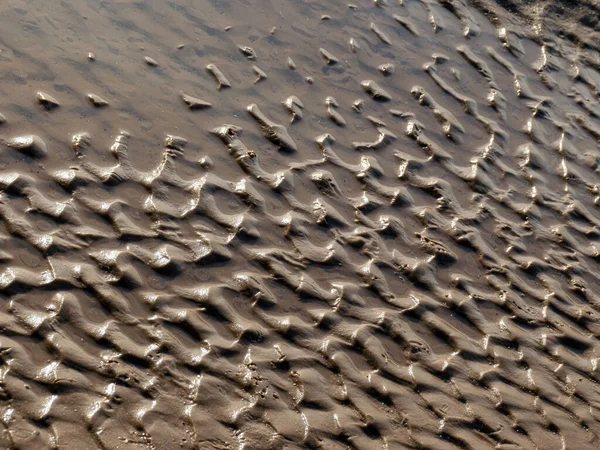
277,224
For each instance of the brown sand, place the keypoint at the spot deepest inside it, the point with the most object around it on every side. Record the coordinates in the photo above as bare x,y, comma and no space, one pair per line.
269,224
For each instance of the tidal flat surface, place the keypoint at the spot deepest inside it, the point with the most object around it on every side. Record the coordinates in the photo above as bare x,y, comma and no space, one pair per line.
277,224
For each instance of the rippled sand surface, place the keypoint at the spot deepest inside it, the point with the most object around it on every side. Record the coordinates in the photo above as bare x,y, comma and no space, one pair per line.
277,224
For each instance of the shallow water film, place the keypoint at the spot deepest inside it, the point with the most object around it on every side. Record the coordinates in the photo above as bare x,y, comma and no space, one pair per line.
299,224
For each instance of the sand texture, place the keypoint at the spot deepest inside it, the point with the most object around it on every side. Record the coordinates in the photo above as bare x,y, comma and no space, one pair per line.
299,224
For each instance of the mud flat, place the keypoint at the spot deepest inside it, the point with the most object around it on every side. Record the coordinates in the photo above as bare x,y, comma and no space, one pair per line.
299,225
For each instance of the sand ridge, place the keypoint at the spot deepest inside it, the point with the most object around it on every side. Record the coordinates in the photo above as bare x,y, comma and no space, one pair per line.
275,225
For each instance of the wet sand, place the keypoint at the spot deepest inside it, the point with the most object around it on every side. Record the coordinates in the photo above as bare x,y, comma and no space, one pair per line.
271,224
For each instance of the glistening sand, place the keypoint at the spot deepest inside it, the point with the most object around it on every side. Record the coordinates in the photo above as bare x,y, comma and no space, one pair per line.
277,224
